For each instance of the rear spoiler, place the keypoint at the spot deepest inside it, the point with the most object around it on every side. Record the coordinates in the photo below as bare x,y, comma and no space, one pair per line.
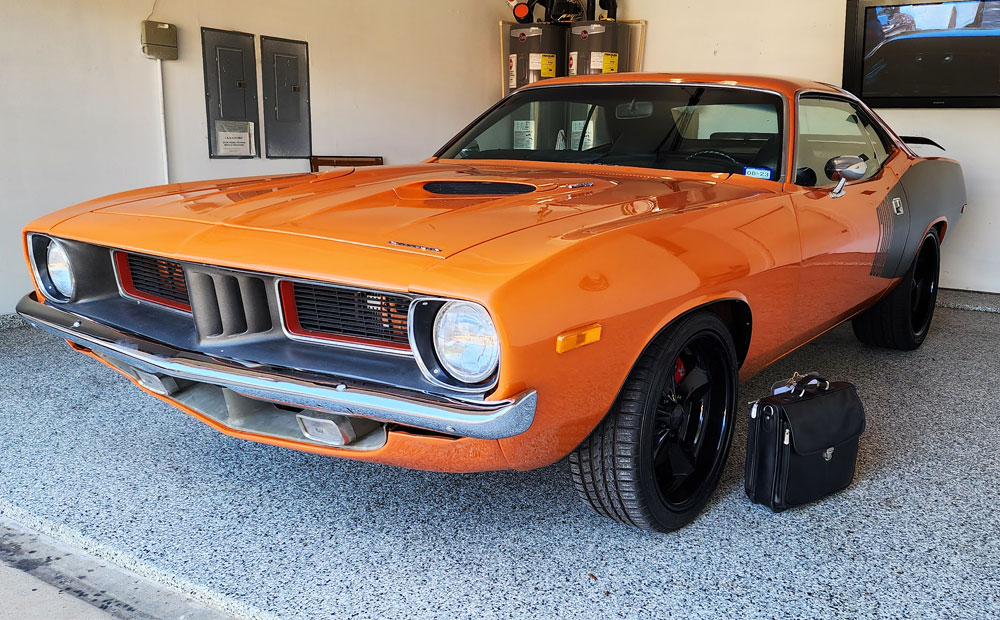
920,140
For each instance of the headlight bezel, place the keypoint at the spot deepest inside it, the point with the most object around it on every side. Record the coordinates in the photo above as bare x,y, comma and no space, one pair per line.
39,247
423,315
66,271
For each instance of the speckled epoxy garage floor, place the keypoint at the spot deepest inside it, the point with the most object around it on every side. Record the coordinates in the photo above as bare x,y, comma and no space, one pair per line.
275,533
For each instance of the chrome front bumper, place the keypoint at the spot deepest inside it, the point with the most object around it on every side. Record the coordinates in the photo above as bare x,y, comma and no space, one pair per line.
463,418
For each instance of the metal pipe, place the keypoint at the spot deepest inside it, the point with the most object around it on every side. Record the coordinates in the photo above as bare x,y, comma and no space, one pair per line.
548,4
504,59
611,6
163,122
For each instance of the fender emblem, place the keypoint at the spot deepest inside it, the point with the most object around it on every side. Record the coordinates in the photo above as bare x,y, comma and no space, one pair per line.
897,206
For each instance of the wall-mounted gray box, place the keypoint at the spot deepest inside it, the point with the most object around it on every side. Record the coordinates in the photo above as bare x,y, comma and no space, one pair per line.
159,40
285,77
230,93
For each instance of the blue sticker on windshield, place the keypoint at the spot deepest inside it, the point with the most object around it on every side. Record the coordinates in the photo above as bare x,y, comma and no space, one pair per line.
758,173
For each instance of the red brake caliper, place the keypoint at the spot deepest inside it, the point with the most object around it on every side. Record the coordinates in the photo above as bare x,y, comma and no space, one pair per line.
679,371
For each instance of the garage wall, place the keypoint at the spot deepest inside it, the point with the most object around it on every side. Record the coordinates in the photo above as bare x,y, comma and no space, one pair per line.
396,78
806,39
79,114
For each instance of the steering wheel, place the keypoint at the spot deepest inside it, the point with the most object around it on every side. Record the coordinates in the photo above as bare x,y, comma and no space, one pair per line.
713,153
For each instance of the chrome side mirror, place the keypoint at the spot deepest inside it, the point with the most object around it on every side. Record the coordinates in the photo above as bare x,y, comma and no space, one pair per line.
843,169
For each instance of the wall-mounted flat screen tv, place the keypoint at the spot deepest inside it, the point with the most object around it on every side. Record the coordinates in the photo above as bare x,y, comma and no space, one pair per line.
923,53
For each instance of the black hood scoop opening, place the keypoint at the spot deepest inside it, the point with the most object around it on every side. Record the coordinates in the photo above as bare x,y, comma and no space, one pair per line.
477,188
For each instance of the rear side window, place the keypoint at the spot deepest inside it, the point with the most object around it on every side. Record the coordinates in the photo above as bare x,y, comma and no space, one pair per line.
831,128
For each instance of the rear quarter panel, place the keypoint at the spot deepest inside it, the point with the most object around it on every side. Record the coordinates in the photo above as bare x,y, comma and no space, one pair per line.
935,194
934,190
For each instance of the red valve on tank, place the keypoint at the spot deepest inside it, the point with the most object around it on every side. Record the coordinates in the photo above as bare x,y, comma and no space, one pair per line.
522,9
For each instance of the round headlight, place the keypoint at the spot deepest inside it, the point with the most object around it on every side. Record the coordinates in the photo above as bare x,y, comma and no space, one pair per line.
466,341
60,272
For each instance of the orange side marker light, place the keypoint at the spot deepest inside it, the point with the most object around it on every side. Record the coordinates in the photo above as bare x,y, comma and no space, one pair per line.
579,337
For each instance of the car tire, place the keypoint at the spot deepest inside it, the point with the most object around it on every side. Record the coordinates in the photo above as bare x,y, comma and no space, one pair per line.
654,461
901,319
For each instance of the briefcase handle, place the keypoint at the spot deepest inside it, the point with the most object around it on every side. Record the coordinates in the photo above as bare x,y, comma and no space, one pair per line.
799,383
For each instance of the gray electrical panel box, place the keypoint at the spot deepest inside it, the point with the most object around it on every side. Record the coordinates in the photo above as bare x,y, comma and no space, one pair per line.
285,79
159,40
230,93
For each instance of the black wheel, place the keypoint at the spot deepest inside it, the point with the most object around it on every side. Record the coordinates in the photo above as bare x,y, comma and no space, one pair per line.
656,458
902,318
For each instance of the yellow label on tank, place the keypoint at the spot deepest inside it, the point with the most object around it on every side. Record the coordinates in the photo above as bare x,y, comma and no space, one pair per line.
548,65
610,63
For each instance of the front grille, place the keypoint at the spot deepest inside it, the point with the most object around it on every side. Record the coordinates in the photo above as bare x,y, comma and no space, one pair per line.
153,279
346,314
229,303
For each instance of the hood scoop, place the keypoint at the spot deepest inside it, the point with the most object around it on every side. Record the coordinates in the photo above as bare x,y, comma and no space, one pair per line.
477,188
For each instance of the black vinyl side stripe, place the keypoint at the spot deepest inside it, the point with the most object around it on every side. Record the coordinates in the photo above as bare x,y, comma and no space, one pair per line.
885,224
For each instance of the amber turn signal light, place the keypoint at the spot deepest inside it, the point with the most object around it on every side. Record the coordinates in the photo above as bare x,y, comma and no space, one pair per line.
577,338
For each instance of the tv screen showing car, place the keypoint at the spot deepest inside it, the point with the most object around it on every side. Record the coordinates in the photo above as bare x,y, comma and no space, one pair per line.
924,53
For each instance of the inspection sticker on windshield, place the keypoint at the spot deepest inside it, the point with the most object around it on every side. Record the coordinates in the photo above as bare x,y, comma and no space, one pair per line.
758,173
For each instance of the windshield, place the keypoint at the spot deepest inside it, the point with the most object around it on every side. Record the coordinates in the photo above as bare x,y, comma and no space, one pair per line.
675,127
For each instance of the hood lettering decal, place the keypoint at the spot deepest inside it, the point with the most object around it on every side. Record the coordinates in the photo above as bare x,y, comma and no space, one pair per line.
414,246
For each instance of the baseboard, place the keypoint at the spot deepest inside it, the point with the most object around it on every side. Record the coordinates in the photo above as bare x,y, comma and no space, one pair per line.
968,300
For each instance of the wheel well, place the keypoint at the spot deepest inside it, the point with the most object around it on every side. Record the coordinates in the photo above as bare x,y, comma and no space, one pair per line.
941,227
735,313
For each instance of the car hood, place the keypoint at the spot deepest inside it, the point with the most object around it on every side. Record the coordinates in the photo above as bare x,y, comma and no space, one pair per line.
435,209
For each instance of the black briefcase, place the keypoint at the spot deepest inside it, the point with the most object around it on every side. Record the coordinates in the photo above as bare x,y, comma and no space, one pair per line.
802,441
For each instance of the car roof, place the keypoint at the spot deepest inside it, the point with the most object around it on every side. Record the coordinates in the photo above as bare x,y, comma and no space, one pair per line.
784,85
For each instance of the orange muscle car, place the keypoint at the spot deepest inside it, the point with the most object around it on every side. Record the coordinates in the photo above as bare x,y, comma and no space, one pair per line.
587,270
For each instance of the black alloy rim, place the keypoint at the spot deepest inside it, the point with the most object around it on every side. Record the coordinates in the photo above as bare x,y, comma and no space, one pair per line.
923,287
692,421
